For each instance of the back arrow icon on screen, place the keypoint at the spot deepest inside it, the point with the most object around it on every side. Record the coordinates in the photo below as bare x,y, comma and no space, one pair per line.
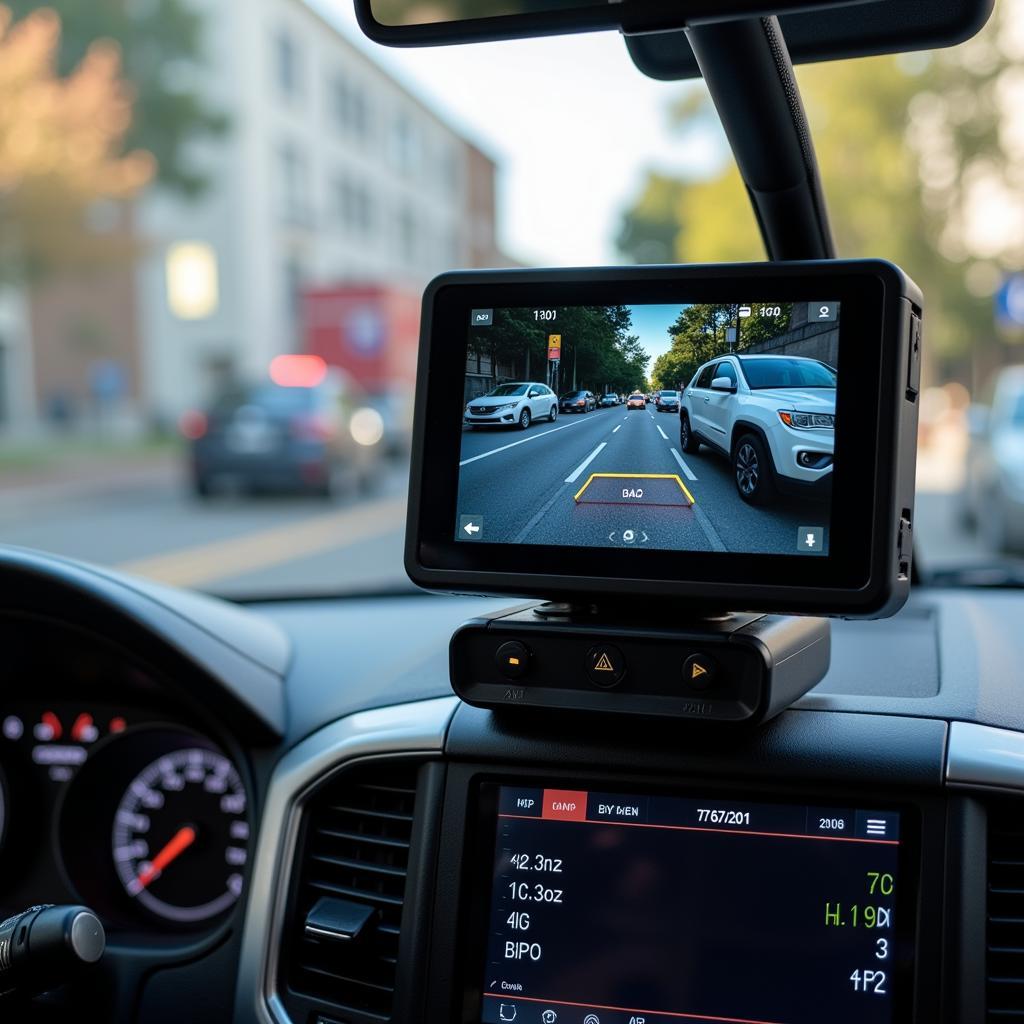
471,528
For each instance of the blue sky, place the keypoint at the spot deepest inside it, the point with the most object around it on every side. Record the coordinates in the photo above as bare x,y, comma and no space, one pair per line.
572,123
650,324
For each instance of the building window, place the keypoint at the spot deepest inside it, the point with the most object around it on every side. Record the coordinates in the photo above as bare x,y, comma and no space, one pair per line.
286,59
341,200
448,169
352,206
361,127
407,240
349,108
366,212
404,144
340,103
294,185
293,284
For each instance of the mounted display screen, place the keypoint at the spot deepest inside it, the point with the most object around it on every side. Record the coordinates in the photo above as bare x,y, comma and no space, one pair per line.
681,426
613,908
737,436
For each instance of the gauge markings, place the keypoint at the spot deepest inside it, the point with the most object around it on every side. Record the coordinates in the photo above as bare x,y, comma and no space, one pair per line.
189,806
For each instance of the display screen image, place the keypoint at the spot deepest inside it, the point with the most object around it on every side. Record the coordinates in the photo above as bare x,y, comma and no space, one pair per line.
685,427
613,908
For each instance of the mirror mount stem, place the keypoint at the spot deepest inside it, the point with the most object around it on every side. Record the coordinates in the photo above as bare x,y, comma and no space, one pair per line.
749,74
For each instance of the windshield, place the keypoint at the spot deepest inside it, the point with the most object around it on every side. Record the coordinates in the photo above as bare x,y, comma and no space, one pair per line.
220,214
507,390
776,372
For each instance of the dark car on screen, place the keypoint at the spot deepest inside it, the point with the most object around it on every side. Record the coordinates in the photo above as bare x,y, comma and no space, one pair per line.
577,401
315,433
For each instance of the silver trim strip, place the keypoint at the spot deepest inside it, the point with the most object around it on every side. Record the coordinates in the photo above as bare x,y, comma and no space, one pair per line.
980,755
415,728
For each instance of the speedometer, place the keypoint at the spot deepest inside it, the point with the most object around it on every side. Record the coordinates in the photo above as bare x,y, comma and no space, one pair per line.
180,837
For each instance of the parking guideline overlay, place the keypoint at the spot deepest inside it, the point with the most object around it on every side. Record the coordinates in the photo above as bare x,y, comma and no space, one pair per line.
663,489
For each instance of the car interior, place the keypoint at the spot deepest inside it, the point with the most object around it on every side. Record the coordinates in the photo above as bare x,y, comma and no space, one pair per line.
654,734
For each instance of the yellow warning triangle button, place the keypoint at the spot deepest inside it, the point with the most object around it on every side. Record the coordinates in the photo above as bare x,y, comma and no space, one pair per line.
697,671
604,664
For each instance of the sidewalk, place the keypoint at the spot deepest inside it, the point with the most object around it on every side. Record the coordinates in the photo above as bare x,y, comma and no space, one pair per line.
78,473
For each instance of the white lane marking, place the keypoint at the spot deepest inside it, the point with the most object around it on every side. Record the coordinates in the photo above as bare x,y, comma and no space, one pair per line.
617,429
683,466
660,431
572,477
505,447
704,522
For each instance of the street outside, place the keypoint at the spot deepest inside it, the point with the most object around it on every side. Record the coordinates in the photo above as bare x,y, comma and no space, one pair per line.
614,477
137,514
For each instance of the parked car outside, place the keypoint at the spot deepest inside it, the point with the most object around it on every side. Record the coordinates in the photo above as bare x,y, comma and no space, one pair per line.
512,405
772,416
609,400
577,401
305,429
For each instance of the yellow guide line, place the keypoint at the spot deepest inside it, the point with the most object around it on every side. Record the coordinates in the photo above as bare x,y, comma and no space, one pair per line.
635,476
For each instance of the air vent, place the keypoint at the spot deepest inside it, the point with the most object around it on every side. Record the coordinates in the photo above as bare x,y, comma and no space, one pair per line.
1005,923
355,849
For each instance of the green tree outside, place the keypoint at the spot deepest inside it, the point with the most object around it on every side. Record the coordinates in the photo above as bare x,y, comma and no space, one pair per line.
598,352
161,45
910,148
702,331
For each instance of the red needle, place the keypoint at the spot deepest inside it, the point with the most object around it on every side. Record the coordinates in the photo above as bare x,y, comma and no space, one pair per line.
177,845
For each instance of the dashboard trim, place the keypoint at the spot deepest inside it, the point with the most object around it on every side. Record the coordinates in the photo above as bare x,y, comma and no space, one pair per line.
413,728
981,755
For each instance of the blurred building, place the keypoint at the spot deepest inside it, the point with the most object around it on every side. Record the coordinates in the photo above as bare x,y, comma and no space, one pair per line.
331,173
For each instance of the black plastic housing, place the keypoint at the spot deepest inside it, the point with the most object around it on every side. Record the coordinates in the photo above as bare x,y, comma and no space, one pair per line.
867,572
742,669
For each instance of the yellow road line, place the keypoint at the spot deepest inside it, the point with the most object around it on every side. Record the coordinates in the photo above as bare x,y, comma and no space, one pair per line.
634,476
261,549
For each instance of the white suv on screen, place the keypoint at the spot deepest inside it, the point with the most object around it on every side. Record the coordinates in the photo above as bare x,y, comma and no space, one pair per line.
516,404
772,416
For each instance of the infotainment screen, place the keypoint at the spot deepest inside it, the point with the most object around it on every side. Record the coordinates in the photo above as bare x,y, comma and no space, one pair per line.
700,426
617,908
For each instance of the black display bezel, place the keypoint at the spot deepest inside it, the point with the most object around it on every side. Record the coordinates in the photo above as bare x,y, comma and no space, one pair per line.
859,570
481,843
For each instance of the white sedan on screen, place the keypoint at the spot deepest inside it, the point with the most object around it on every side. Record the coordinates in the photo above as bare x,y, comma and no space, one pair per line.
512,405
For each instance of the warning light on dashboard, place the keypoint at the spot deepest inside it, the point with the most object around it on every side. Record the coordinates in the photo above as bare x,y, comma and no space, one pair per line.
118,724
48,727
84,730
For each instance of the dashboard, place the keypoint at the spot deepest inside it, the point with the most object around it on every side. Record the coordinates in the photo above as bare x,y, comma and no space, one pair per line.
107,781
283,816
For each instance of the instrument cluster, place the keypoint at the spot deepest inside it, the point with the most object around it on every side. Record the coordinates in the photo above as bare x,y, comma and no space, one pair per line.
123,808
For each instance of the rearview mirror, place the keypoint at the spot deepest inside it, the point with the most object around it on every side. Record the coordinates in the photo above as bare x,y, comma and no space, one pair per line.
436,22
722,384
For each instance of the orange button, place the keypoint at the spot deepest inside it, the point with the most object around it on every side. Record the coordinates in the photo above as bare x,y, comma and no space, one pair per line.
565,805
